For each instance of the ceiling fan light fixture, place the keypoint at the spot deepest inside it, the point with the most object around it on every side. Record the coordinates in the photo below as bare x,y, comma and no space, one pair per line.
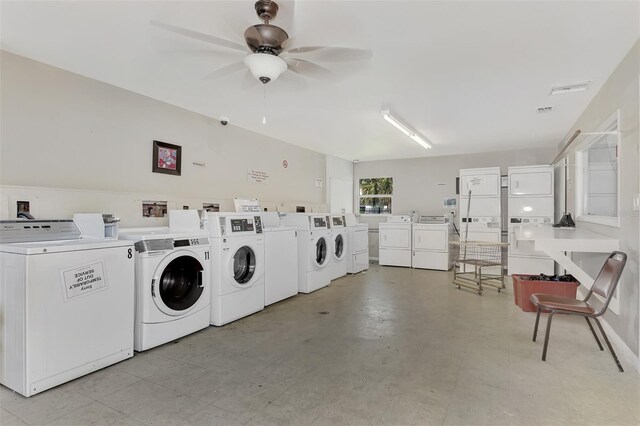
265,67
404,128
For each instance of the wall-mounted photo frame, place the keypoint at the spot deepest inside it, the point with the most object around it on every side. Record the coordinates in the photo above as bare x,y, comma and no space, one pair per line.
154,209
167,158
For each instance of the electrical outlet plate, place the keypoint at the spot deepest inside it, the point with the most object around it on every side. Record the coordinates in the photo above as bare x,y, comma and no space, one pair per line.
636,202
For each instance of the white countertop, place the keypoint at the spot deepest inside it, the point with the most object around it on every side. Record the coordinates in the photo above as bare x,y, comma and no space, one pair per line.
576,238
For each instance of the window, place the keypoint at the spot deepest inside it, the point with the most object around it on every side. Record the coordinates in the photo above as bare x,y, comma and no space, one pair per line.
376,195
597,173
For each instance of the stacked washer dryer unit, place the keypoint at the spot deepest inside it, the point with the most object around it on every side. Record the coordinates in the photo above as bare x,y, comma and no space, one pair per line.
339,247
530,204
237,262
280,259
484,211
395,241
357,244
66,303
431,236
314,242
172,284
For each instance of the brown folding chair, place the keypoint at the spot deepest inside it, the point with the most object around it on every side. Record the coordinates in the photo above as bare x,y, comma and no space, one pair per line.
604,286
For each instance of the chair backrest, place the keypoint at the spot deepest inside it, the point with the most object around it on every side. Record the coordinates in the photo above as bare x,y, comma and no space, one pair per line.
607,280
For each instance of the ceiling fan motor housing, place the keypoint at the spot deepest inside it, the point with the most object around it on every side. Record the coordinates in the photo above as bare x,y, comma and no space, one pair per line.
266,38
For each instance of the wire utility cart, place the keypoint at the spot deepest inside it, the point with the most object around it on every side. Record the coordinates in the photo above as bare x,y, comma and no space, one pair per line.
473,260
473,256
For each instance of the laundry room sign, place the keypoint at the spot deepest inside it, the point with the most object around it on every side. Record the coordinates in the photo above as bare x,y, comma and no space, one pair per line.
83,280
257,176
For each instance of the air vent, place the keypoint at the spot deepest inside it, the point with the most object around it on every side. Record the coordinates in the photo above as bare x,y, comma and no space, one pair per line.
545,109
579,86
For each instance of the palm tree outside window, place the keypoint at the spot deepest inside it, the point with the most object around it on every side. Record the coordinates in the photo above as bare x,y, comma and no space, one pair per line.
376,195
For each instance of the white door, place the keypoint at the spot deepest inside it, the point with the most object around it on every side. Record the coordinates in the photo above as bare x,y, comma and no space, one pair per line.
395,238
481,184
537,184
429,239
361,237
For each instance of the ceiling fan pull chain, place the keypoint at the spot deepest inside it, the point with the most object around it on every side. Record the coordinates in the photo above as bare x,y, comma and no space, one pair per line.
264,104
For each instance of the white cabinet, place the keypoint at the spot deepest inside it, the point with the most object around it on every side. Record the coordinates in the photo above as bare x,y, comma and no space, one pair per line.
535,181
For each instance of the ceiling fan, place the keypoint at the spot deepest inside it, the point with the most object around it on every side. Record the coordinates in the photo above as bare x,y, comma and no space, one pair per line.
270,52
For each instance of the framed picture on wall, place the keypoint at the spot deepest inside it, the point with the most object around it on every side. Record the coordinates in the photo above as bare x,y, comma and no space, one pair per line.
167,158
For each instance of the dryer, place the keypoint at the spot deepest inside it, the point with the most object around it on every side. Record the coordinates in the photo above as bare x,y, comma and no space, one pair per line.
531,204
172,284
431,238
357,244
314,242
339,247
238,266
395,241
484,206
280,259
66,304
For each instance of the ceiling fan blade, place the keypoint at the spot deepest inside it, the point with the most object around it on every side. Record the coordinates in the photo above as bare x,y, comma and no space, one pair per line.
309,69
334,54
248,80
224,71
199,36
203,52
286,12
292,82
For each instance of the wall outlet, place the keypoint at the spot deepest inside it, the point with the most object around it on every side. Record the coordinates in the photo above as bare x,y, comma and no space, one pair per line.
636,202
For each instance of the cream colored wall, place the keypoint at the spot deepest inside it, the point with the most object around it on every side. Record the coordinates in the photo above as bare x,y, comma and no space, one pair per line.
620,92
64,131
421,183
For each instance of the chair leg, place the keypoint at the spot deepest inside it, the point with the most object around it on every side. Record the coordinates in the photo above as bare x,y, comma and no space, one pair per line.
606,340
594,333
535,329
546,336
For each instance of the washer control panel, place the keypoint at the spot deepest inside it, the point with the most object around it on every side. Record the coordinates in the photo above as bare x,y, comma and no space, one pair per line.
258,222
242,225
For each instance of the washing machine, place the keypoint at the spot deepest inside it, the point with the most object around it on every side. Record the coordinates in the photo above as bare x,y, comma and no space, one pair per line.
172,284
237,262
66,303
339,243
314,244
357,244
280,259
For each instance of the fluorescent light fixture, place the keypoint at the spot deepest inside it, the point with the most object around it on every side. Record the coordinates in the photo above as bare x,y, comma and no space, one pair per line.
398,124
579,86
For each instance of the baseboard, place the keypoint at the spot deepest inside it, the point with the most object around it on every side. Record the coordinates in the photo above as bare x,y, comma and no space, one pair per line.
375,259
622,350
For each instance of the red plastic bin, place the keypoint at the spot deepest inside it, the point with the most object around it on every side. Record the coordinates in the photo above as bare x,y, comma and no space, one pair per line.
524,287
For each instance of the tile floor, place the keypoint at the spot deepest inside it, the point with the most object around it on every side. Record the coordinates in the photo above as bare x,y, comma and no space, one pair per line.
396,346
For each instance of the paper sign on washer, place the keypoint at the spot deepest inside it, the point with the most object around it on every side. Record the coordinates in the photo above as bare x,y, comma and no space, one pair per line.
83,280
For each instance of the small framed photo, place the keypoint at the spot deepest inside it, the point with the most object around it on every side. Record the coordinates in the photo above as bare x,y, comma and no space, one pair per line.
167,158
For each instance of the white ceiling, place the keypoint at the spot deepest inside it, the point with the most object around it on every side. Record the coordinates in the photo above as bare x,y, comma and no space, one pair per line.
467,75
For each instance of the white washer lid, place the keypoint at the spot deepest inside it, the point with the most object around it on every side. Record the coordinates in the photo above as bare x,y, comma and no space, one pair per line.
45,247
